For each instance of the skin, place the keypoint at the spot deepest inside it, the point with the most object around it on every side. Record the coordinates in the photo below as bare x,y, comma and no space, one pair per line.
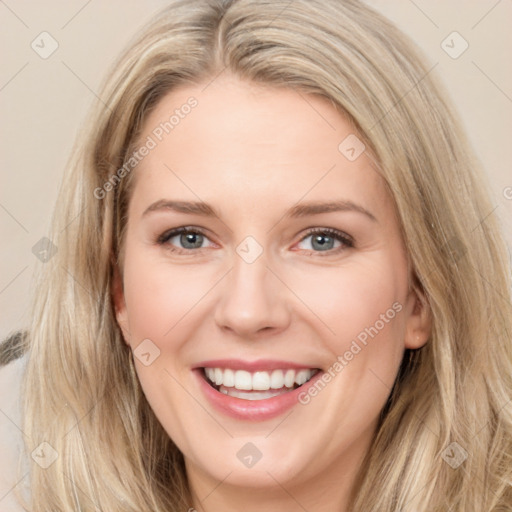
253,152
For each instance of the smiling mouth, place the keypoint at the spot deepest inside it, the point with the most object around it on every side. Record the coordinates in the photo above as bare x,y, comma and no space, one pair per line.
259,385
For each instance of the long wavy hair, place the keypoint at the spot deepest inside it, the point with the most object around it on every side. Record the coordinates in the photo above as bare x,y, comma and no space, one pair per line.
81,394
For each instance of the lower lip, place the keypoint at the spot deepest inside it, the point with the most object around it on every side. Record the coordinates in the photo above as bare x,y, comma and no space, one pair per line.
253,410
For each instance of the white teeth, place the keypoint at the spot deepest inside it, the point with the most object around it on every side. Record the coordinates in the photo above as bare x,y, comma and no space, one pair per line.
229,378
302,377
257,381
289,378
277,379
210,373
261,381
243,380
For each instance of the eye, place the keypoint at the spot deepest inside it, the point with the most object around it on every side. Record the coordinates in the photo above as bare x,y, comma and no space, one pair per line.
325,239
183,239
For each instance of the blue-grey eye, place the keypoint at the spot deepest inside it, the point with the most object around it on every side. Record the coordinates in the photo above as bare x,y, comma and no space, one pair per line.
324,240
183,238
191,240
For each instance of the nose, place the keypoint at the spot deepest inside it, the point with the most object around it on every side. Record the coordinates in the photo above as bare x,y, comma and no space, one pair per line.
253,300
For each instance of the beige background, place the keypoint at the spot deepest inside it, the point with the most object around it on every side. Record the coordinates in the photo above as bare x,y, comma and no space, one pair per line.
43,101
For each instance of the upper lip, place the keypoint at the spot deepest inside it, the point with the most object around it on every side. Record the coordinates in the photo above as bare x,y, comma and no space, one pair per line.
253,366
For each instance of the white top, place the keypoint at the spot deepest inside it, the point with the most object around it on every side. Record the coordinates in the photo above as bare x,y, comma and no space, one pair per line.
11,437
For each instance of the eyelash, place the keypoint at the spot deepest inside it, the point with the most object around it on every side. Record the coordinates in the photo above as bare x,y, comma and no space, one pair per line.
346,240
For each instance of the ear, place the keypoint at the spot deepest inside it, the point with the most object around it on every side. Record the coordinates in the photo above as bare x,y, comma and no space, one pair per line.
119,301
419,318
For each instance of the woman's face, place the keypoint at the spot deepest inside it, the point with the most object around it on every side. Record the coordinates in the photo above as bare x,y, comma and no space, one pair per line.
250,293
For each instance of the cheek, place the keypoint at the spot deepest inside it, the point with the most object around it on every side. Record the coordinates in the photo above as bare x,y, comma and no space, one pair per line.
357,303
160,296
163,302
363,308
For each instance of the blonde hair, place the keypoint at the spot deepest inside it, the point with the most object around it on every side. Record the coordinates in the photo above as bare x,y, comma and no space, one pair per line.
81,394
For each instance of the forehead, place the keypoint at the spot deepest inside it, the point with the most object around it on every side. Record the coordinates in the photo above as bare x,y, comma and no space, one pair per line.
232,139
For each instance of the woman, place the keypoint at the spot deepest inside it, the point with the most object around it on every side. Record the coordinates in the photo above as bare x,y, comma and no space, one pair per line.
281,288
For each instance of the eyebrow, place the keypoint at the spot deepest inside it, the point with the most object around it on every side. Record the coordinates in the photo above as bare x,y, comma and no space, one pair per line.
297,211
